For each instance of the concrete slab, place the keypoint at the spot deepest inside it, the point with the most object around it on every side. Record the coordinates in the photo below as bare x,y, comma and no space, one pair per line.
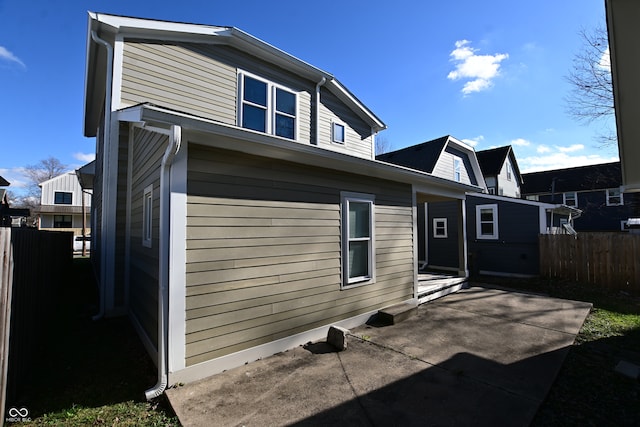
481,357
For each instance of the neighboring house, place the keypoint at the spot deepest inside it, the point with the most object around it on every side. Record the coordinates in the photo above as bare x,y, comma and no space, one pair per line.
596,190
500,171
64,206
236,185
10,217
501,234
624,49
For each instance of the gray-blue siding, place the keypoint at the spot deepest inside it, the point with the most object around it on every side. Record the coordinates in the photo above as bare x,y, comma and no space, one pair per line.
443,252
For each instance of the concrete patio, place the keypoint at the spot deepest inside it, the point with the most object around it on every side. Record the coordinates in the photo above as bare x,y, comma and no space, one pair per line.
477,357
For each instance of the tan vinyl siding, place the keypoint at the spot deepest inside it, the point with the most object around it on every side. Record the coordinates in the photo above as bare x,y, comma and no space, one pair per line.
358,139
148,149
444,168
263,250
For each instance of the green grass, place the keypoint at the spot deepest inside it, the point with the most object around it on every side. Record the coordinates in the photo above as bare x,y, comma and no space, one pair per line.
91,372
587,391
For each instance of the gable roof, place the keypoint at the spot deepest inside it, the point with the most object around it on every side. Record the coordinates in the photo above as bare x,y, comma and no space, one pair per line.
107,27
492,160
4,182
422,156
581,178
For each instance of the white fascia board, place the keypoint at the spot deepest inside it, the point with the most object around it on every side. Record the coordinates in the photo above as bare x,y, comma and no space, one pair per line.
473,158
260,144
513,200
125,23
363,112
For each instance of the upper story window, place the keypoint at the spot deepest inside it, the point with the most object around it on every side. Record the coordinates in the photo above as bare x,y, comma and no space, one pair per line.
63,198
487,221
358,240
509,171
457,169
337,133
614,197
570,198
267,107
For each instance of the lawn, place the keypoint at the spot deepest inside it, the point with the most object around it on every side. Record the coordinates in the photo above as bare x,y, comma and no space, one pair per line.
95,372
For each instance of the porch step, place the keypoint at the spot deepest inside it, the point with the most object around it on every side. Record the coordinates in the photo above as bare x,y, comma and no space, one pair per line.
396,313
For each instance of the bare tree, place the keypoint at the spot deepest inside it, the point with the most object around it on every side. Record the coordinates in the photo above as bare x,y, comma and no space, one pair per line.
382,145
591,95
43,170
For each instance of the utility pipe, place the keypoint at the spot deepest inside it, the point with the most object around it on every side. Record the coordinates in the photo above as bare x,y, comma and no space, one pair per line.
175,140
105,167
320,83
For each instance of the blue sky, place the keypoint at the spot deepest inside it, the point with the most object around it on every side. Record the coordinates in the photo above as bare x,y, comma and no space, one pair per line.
490,73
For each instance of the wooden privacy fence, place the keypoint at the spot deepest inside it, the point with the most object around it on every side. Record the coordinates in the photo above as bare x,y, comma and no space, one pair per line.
34,265
611,260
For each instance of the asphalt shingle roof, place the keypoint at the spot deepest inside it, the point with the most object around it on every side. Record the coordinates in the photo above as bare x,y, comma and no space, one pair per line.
581,178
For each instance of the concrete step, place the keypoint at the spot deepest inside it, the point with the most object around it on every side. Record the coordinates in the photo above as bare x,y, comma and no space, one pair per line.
396,313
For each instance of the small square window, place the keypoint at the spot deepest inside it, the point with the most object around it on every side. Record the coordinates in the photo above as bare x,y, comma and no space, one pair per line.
337,133
614,197
440,228
570,199
147,217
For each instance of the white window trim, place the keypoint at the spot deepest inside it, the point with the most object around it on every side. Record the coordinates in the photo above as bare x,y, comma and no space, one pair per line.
345,199
564,198
443,222
509,171
271,105
333,133
479,235
147,217
621,197
459,169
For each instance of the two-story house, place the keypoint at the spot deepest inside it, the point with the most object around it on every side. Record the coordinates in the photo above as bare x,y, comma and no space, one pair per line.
594,189
64,206
500,171
236,185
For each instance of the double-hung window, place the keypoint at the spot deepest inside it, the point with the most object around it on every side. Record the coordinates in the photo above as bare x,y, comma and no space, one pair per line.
147,217
487,221
267,107
457,169
570,198
440,228
614,197
358,240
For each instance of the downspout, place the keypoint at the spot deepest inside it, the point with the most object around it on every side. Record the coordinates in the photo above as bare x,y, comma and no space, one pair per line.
317,118
105,164
175,140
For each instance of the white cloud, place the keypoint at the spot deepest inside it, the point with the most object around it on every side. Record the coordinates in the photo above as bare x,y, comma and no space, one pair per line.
474,141
520,142
560,160
543,149
479,70
84,157
16,178
571,148
8,56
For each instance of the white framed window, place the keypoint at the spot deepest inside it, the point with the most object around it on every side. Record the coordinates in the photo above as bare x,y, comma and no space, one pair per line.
614,197
337,132
266,107
533,197
147,217
358,239
487,221
570,198
509,171
440,228
62,198
457,169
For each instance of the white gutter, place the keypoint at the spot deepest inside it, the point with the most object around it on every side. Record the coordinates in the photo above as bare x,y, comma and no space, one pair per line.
105,168
320,83
175,140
